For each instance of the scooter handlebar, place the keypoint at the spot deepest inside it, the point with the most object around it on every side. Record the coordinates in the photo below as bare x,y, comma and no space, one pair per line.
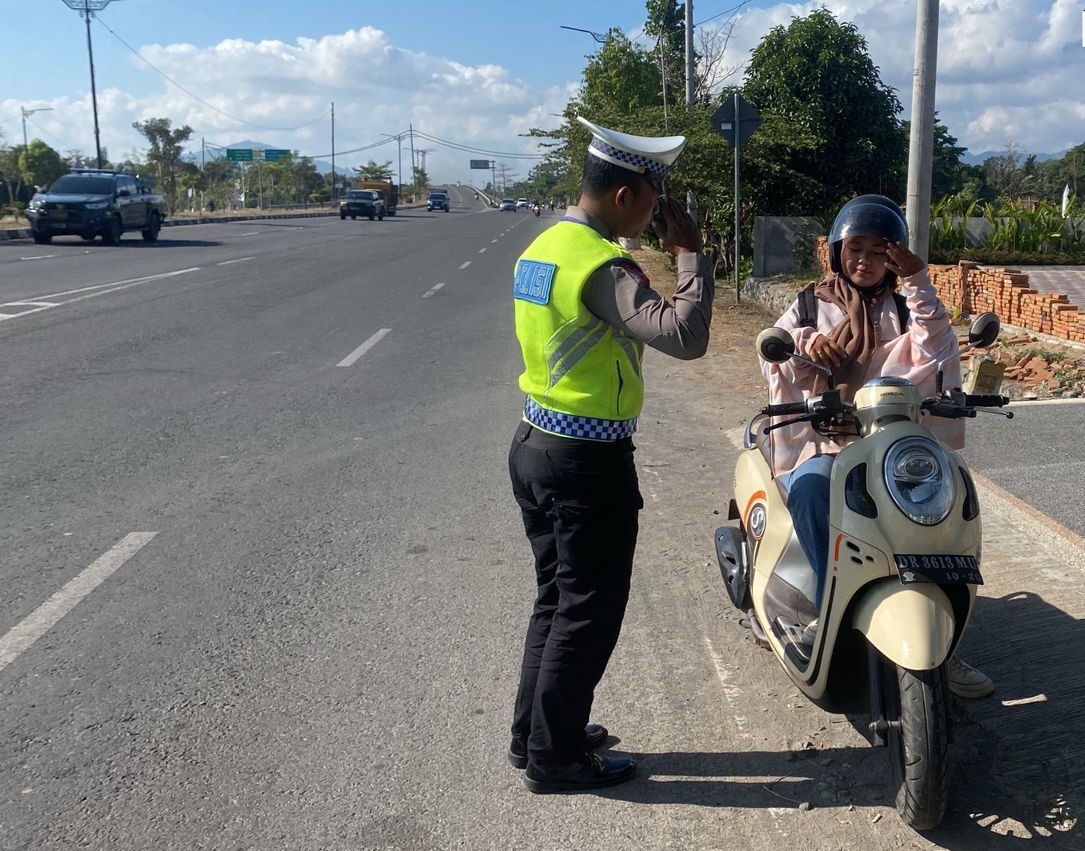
983,401
957,405
785,409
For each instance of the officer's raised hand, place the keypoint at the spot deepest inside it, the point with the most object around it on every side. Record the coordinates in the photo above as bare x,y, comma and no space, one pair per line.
676,229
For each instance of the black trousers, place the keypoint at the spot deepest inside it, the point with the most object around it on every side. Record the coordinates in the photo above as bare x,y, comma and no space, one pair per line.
580,502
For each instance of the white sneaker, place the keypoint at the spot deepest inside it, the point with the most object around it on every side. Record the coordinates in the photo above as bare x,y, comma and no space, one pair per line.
966,681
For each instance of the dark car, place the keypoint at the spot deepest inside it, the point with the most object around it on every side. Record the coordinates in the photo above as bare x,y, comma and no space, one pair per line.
437,201
93,202
362,202
507,204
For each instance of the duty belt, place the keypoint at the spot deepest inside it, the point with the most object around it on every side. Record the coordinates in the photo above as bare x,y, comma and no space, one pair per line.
571,425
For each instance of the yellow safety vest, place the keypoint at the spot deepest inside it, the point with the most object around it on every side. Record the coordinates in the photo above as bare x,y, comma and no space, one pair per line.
575,363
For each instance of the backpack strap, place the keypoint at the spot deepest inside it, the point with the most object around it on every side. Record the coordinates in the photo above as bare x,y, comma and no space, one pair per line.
808,308
902,310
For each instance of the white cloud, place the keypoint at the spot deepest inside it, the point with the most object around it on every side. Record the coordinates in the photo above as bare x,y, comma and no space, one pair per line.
1009,71
377,88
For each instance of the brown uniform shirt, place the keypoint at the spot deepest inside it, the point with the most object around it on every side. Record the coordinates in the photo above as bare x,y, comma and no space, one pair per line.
619,293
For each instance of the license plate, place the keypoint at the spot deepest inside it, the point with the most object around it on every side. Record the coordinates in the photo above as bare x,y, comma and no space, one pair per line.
944,569
58,215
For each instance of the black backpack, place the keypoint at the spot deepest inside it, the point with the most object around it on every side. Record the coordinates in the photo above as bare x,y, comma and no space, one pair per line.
808,309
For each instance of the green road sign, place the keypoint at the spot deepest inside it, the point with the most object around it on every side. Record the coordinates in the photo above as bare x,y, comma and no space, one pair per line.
273,154
239,155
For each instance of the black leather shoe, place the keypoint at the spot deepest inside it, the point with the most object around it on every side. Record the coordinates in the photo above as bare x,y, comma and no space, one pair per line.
594,736
593,772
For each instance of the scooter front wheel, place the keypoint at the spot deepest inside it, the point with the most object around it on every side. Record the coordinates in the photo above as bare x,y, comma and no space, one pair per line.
916,708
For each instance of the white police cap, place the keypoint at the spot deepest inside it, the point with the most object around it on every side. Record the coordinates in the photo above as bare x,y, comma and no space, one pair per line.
654,154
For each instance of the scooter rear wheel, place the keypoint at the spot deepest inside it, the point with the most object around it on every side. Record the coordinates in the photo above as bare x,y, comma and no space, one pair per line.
916,704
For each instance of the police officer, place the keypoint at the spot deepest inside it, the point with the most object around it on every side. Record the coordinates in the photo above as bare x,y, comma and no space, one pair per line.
584,312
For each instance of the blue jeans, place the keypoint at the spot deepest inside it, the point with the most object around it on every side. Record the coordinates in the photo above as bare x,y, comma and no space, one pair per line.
808,501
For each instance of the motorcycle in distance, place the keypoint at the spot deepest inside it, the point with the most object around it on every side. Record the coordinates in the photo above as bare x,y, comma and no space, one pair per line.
904,552
536,210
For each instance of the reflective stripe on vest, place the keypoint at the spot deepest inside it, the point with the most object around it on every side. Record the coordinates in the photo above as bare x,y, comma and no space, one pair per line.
575,363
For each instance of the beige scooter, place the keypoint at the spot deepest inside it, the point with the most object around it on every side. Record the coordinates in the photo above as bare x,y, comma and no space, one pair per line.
904,553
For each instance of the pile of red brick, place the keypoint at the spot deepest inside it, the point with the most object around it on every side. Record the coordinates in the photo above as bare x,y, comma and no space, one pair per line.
972,288
1026,365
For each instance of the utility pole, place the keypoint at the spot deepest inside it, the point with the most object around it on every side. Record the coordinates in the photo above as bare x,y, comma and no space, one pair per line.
689,53
663,77
335,177
27,112
87,8
921,143
691,202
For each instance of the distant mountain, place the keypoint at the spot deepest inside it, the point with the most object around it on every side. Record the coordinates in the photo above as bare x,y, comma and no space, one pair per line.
980,159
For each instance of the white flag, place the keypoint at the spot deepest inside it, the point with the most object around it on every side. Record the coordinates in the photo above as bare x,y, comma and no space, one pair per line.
1065,200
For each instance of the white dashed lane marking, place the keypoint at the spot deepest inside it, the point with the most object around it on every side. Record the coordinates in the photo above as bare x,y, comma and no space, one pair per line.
353,357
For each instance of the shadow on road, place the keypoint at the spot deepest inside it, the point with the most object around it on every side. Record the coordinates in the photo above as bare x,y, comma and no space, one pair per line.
1017,772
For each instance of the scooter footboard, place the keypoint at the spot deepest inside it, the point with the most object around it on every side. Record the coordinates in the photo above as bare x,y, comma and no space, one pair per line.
911,625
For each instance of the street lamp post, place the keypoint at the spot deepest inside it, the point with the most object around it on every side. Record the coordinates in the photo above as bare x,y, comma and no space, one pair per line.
27,112
87,8
601,39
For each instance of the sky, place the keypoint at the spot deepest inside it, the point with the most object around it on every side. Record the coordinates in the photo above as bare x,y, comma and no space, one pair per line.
474,77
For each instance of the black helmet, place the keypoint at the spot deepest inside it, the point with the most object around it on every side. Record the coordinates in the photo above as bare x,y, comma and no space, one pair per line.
867,215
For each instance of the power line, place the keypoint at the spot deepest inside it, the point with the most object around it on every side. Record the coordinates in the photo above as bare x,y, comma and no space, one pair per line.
730,11
473,150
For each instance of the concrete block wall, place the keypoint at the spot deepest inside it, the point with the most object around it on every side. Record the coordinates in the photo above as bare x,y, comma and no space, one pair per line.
972,288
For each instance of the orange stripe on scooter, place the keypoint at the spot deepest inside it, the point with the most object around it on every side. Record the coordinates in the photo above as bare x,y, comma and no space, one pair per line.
836,549
749,507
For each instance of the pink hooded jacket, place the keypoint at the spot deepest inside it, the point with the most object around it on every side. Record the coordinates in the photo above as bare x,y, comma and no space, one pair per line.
912,353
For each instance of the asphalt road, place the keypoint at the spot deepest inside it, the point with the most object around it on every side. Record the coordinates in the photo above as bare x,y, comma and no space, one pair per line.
263,585
1038,456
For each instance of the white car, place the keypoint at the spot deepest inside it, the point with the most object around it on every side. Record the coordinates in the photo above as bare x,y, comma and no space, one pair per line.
522,203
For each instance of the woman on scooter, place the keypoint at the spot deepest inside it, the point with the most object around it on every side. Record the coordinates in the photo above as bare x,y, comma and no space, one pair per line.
856,324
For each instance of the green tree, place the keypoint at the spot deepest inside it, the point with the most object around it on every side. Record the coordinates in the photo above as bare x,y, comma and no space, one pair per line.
375,171
12,176
1012,174
666,23
831,128
164,158
40,165
420,183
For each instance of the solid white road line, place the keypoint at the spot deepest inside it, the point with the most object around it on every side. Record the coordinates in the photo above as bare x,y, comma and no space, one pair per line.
45,617
350,359
433,289
90,292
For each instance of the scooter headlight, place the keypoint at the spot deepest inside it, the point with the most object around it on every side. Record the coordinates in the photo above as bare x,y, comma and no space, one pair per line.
920,480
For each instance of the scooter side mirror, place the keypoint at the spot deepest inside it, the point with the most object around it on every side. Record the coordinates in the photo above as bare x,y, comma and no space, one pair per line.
984,330
775,345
